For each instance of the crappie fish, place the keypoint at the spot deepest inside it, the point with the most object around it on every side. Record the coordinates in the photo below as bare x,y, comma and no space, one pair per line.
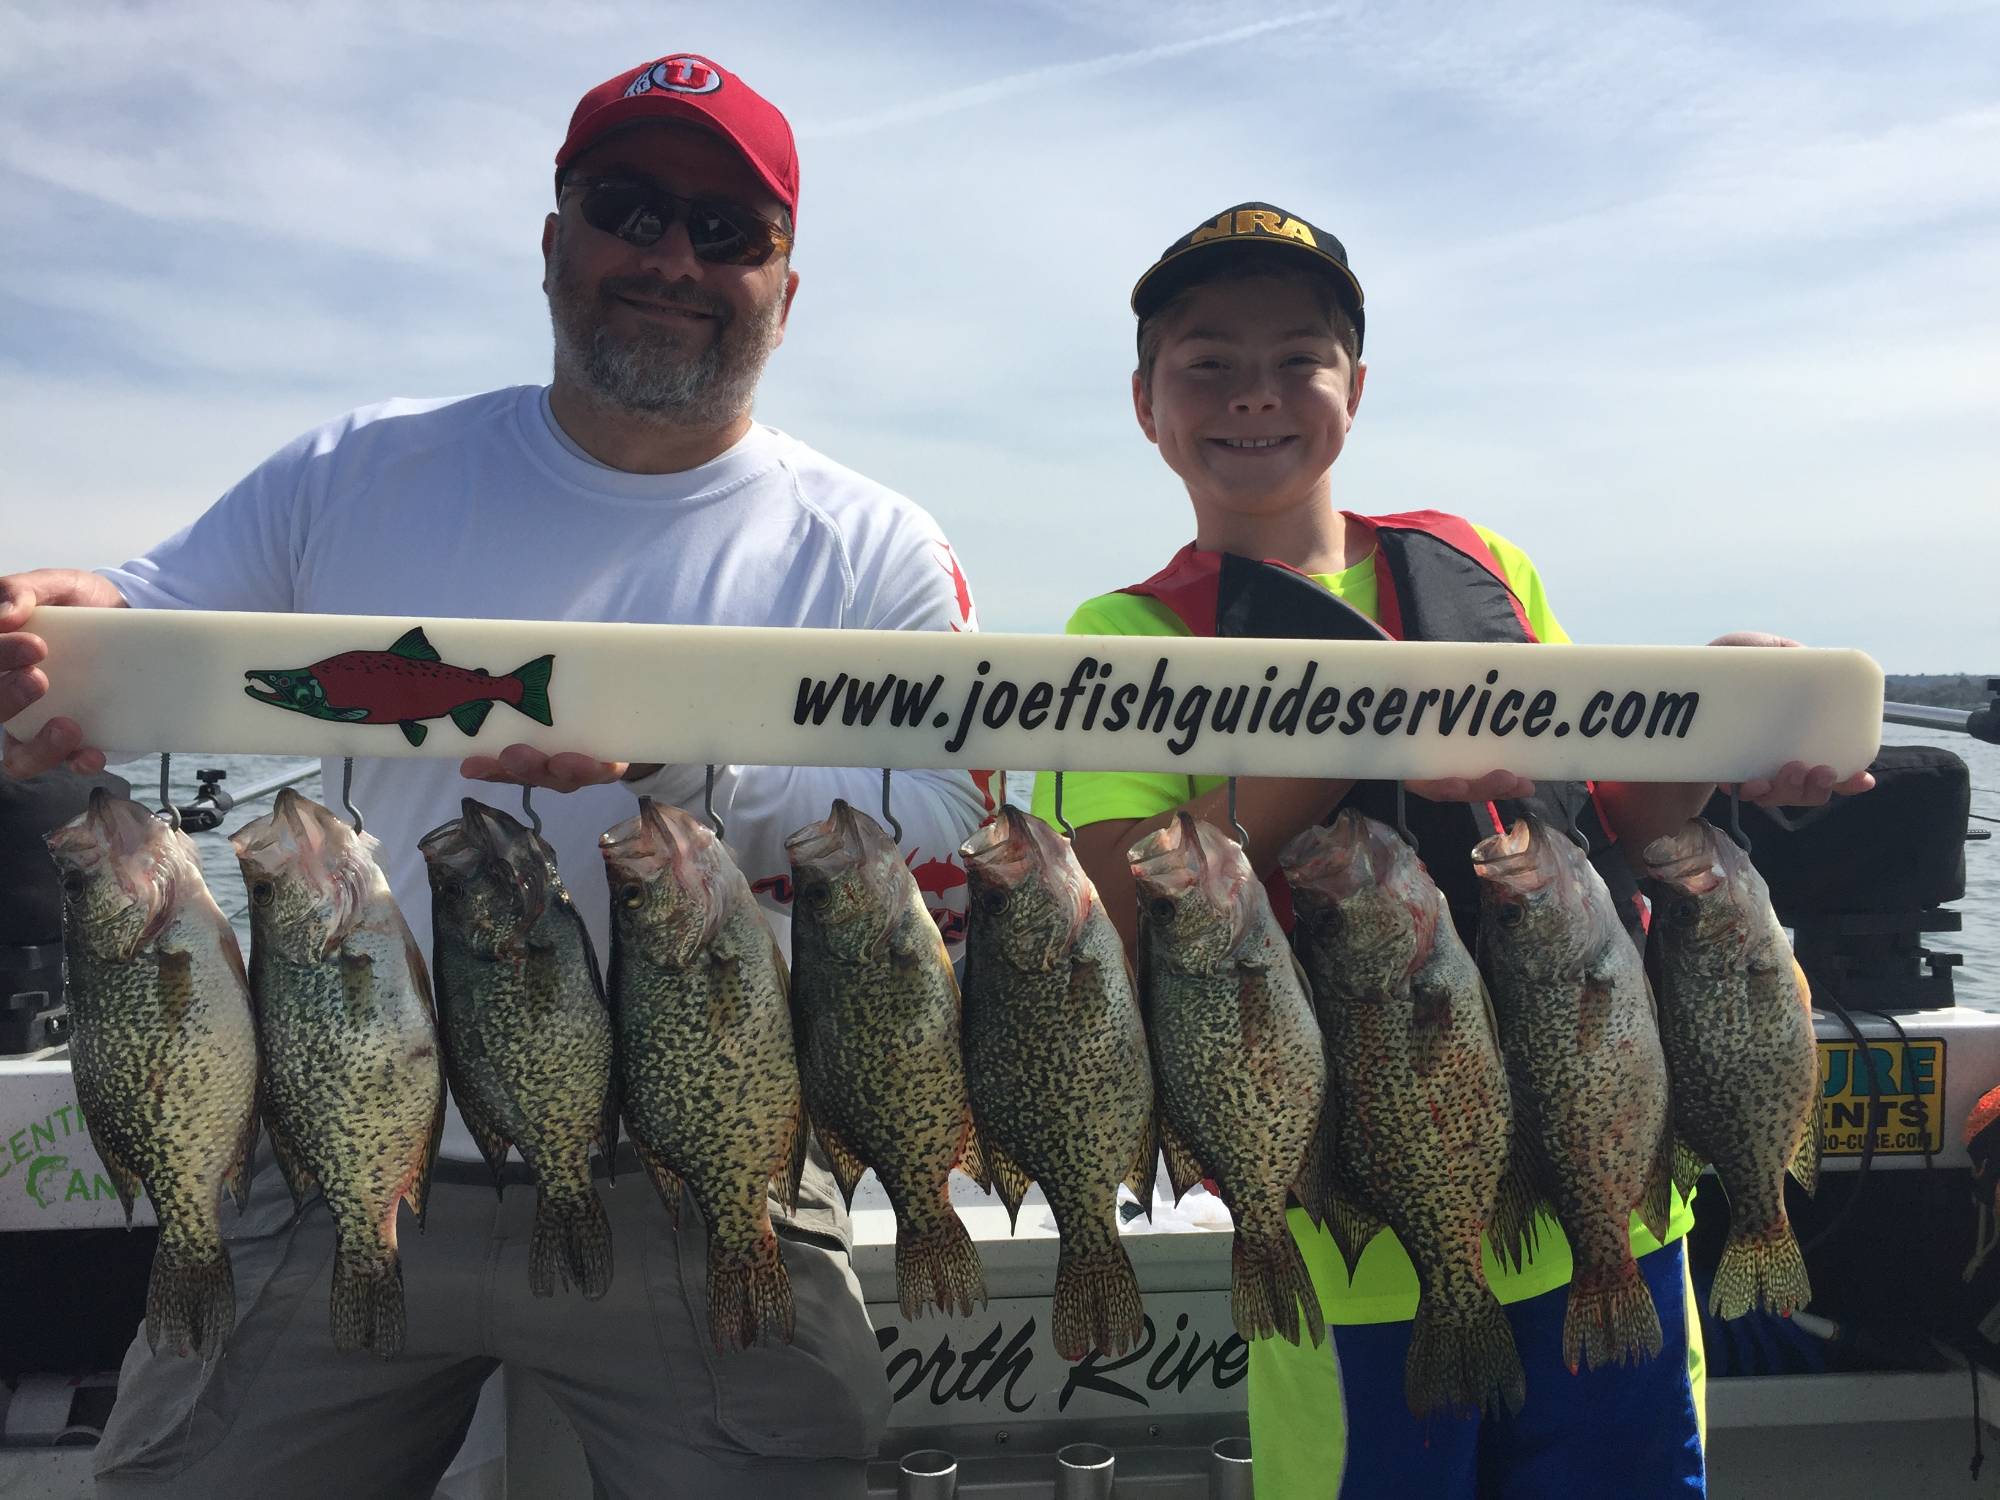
710,1082
164,1051
1420,1116
1056,1063
354,1091
1588,1077
527,1037
1239,1060
876,1009
1738,1034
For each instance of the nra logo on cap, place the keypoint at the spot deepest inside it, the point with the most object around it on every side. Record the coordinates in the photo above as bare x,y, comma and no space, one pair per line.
679,75
1254,221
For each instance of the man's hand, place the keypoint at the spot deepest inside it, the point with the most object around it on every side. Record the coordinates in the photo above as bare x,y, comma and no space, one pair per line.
1796,784
22,680
1494,786
523,765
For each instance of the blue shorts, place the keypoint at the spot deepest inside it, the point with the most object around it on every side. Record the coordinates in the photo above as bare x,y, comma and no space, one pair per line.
1628,1431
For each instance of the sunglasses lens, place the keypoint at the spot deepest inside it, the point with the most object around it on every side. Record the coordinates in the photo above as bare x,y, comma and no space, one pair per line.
641,214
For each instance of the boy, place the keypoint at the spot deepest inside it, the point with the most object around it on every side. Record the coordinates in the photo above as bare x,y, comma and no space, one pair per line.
1249,376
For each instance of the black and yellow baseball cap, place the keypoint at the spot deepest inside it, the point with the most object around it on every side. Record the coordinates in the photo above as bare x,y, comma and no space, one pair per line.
1262,228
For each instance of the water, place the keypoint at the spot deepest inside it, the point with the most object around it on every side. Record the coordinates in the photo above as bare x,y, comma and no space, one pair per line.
1978,983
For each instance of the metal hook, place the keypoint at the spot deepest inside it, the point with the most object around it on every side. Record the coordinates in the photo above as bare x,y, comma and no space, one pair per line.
1736,818
708,804
1242,837
1575,829
1062,822
1403,817
347,795
528,809
168,811
895,828
1001,801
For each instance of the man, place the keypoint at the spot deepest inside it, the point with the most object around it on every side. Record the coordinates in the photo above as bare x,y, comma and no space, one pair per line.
634,487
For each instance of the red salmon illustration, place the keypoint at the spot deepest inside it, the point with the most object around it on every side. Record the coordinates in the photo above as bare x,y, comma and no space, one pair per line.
403,686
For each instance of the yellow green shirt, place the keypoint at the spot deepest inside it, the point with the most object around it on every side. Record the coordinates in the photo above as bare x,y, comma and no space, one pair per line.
1384,1288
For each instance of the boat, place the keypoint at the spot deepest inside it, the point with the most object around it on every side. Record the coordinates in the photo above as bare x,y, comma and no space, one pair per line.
1890,1384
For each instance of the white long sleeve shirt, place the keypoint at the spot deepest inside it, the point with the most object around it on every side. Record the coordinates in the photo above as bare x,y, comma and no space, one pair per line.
480,508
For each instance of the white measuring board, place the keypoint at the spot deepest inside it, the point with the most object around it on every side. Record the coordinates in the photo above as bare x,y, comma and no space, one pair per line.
336,685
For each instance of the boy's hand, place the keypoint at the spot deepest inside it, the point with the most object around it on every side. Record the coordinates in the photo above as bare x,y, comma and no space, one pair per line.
1796,784
22,680
523,765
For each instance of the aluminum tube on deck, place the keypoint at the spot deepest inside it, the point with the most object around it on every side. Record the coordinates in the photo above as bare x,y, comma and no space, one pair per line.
1085,1471
1229,1470
927,1474
1925,716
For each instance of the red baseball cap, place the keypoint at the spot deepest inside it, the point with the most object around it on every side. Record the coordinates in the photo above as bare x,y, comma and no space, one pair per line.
682,86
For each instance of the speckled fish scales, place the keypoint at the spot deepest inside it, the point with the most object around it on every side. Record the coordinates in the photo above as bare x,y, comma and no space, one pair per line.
706,1062
1737,1028
354,1088
877,1014
163,1050
1056,1062
1588,1076
1419,1116
1238,1058
527,1037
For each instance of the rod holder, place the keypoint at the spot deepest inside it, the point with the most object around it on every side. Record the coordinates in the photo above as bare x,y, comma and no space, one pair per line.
928,1474
1085,1471
1229,1470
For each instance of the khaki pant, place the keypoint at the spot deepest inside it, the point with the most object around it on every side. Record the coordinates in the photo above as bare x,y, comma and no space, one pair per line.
659,1411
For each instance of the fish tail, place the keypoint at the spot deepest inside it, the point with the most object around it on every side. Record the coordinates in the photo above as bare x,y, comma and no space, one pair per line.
749,1294
571,1239
1271,1293
534,679
190,1308
367,1303
938,1266
1610,1319
1096,1301
1463,1361
1760,1265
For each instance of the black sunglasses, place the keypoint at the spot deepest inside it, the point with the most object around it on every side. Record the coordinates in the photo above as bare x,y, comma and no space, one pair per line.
640,213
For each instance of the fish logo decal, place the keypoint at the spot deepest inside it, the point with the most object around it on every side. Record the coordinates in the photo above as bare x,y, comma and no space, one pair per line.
404,686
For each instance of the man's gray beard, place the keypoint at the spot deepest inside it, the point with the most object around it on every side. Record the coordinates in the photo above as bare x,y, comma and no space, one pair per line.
649,374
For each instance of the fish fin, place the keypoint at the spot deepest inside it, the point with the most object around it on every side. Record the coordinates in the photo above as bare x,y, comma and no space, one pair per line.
607,1130
1353,1229
1593,1009
1463,1363
1610,1319
190,1307
1097,1303
1518,1204
413,731
847,1167
469,716
124,1181
1183,1171
792,1164
490,1138
237,1180
1804,1165
1760,1266
666,1181
571,1238
419,1194
414,645
1656,1203
1688,1167
1270,1292
1430,1027
534,679
1010,1181
937,1265
367,1308
972,1154
299,1179
1313,1184
749,1294
1145,1163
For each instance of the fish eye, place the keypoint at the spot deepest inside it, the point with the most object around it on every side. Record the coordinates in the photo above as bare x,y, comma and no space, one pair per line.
261,892
815,894
1162,909
74,884
1510,916
992,902
632,895
1685,911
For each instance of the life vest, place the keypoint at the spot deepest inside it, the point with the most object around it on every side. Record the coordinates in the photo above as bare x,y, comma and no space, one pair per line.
1436,580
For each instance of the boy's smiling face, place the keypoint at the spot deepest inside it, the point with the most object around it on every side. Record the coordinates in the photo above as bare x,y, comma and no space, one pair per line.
1250,397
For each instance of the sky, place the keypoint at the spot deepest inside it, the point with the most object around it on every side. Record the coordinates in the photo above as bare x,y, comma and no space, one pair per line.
1699,304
